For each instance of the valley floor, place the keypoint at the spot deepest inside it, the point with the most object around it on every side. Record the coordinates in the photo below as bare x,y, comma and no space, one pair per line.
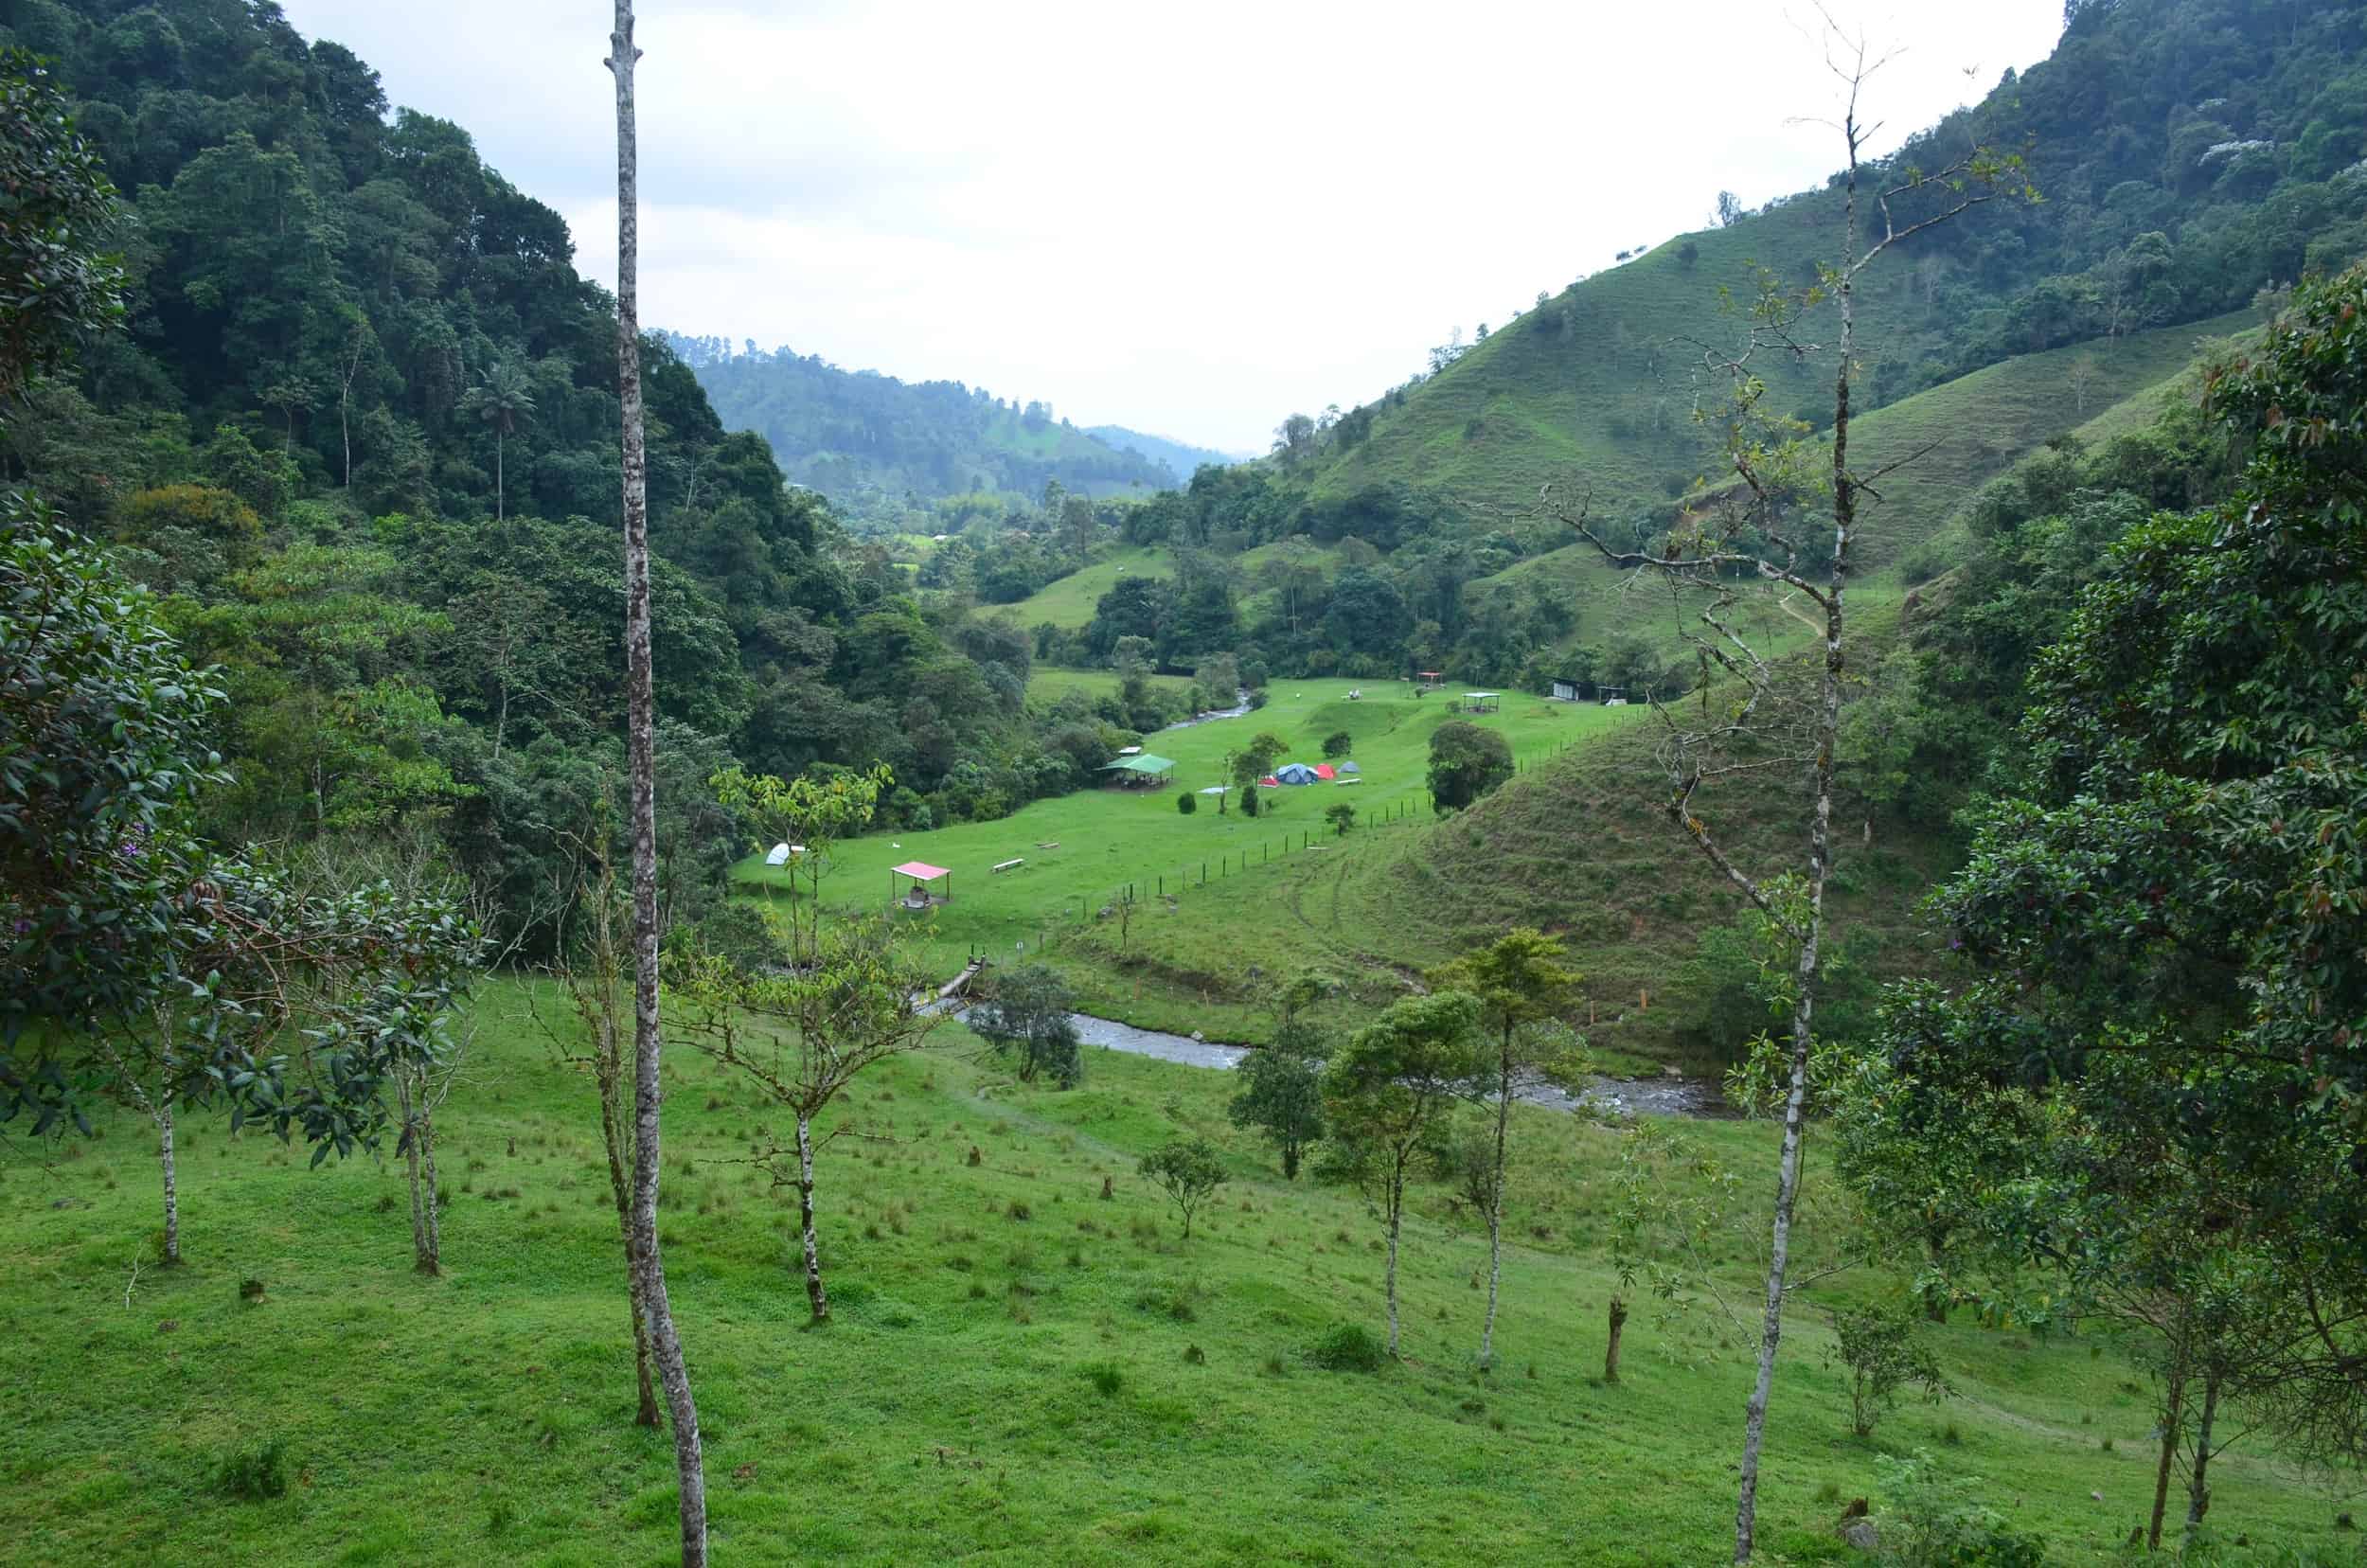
1022,1371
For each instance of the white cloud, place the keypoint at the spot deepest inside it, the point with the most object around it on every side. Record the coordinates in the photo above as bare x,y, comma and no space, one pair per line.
1188,218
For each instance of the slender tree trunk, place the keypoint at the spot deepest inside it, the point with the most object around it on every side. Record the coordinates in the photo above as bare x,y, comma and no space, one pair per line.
2198,1485
501,481
1496,1212
620,1184
345,432
433,1262
648,1089
1820,866
165,1158
815,1296
2173,1417
423,1248
1397,1213
1611,1346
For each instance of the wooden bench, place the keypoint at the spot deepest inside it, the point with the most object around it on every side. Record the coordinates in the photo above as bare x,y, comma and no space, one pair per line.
1054,844
1007,864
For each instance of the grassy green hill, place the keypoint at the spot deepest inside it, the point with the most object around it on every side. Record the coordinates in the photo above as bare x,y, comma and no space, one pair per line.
1021,1370
1575,844
1951,441
2140,225
1068,602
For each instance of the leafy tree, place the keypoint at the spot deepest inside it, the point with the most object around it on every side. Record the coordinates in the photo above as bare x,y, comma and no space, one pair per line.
1339,744
1252,762
1282,1091
1341,816
1520,983
804,1035
1881,1349
1188,1172
1186,803
1386,1095
1026,1020
811,815
57,287
1465,762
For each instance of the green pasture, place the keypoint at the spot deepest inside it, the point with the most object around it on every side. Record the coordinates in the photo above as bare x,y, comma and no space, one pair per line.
1020,1371
1081,852
1069,602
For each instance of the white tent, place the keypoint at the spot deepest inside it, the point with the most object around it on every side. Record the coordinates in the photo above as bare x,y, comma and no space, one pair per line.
782,851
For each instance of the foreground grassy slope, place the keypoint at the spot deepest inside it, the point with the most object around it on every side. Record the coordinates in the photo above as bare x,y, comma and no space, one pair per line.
1022,1371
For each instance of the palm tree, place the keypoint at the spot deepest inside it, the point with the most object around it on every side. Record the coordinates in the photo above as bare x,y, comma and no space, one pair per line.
504,400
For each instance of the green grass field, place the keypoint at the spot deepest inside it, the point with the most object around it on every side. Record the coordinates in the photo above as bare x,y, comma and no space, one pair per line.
1108,838
1020,1371
1069,601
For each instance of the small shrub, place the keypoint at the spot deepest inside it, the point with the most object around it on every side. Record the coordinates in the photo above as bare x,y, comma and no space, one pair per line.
1195,1356
1186,803
1883,1348
1272,1367
252,1475
1019,1211
1106,1378
1934,1521
1348,1347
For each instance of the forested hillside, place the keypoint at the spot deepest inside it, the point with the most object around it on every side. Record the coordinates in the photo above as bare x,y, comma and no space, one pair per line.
884,449
361,437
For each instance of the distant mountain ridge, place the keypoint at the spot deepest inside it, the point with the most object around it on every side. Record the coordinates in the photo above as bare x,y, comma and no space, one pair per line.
881,448
1181,458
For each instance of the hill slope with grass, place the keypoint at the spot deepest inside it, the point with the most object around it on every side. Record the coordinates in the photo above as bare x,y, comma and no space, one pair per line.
1027,1362
2142,224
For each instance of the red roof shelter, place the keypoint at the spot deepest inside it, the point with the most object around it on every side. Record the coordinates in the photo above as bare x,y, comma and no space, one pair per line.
919,895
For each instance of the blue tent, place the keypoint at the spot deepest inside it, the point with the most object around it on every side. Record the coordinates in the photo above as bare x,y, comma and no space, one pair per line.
1295,773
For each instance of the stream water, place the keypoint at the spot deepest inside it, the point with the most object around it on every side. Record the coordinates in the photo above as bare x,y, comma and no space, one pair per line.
1664,1096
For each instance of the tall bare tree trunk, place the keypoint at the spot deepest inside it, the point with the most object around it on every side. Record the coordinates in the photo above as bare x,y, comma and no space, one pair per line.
648,1089
1618,1315
1820,869
171,1171
1496,1211
501,482
815,1296
1396,1214
609,1067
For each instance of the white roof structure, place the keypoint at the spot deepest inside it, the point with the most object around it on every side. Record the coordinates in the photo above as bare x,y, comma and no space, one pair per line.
780,853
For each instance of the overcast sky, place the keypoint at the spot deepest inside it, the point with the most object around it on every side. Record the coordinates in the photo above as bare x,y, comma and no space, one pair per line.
1190,219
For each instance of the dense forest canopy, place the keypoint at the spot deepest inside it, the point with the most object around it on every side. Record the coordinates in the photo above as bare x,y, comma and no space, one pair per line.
361,436
883,450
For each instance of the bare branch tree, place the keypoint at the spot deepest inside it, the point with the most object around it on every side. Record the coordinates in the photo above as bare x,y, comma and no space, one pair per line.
1747,532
